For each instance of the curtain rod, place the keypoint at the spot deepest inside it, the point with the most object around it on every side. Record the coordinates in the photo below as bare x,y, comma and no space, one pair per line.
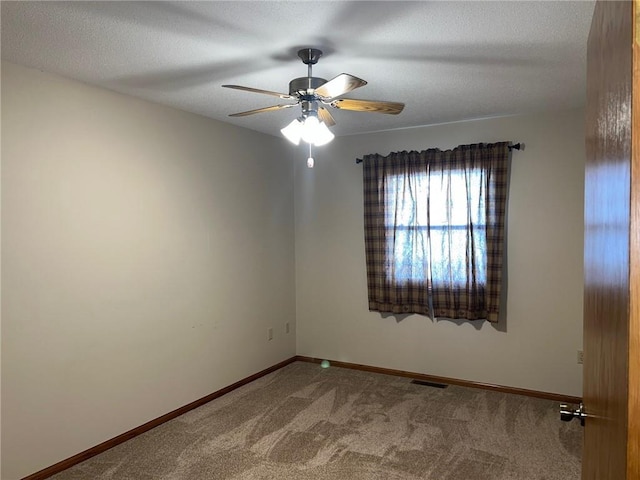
517,146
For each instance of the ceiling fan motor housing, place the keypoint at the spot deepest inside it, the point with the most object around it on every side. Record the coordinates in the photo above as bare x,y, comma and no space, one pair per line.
303,85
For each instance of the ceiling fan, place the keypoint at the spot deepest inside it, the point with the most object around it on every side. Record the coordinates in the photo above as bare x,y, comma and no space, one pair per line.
314,94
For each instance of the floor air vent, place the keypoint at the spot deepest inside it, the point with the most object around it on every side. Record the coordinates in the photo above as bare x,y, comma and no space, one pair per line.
429,384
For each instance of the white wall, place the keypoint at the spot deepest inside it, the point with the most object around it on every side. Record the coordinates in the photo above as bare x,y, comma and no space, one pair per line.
545,256
145,253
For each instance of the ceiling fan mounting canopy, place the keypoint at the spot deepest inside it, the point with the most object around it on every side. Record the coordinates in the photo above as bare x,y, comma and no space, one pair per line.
314,93
309,56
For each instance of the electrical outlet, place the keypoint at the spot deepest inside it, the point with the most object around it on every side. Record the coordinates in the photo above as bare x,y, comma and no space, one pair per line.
580,357
286,327
270,333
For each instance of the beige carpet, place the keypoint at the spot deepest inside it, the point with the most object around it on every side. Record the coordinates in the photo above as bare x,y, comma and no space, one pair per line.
304,422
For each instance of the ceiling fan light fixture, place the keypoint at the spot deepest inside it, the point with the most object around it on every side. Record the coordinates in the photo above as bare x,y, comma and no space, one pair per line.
293,131
308,129
316,132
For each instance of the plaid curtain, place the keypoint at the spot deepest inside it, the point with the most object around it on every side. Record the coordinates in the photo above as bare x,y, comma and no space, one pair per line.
434,230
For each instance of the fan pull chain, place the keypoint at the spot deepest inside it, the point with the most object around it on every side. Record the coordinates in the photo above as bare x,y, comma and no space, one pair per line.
310,160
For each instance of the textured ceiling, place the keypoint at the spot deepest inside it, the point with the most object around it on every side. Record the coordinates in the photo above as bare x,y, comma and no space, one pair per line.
448,61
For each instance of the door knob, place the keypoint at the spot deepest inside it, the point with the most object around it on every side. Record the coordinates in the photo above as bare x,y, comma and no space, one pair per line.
568,413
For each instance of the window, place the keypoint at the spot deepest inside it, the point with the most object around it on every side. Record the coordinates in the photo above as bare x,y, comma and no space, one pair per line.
435,220
434,224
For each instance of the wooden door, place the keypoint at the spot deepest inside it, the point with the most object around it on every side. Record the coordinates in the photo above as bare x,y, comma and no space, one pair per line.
612,247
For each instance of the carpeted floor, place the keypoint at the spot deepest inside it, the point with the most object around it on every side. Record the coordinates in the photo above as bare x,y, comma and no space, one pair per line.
304,422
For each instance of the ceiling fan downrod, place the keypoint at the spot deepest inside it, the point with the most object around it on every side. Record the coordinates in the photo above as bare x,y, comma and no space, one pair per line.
304,86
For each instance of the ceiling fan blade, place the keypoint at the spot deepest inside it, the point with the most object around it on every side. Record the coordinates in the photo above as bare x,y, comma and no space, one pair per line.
326,117
373,106
285,96
260,110
343,83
